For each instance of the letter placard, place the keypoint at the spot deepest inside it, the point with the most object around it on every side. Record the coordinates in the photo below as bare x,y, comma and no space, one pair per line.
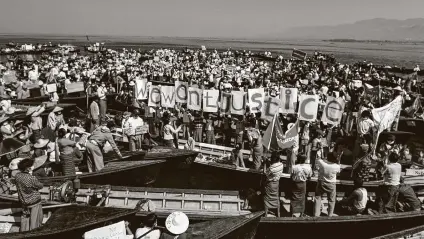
288,100
181,89
333,110
238,103
154,96
271,105
210,100
256,99
142,88
168,96
194,98
308,107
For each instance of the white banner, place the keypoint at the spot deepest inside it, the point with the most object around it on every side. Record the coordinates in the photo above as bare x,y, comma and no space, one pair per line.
154,96
238,104
210,100
308,107
114,231
288,100
181,89
333,110
194,98
271,105
256,99
168,96
142,89
386,115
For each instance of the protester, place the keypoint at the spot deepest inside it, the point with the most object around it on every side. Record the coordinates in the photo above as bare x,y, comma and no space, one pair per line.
327,172
133,124
94,114
148,230
301,172
69,154
408,198
95,143
237,158
27,187
169,131
272,185
356,202
388,192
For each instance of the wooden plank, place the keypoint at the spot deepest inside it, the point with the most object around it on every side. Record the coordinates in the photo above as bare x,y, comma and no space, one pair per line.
75,87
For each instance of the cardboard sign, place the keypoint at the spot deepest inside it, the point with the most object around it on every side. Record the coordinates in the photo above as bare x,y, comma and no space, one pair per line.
181,89
308,107
156,58
75,87
288,100
414,172
32,86
256,99
210,100
51,88
333,110
142,89
203,48
271,105
299,54
168,96
154,96
140,130
114,231
194,98
238,104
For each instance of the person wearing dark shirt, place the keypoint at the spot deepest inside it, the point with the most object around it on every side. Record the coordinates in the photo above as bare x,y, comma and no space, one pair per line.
27,187
408,197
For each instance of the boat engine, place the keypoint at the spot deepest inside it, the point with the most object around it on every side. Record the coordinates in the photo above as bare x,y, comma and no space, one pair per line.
63,193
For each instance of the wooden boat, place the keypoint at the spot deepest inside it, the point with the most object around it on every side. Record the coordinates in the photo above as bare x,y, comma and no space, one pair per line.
74,221
410,233
241,227
80,101
205,205
21,109
131,170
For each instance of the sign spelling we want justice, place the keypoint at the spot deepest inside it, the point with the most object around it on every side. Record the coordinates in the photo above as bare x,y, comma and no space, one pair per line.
235,102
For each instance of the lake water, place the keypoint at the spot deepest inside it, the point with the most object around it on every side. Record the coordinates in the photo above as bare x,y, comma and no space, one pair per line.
401,54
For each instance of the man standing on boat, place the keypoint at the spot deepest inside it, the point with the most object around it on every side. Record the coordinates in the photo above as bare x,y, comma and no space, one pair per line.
388,192
95,144
133,124
94,114
301,172
327,172
272,184
101,93
27,187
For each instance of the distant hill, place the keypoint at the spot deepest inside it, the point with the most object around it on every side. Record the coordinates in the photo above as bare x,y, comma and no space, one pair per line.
377,29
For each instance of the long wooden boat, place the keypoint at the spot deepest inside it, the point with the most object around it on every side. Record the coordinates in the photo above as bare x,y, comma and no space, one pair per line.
80,101
241,227
74,221
205,205
410,233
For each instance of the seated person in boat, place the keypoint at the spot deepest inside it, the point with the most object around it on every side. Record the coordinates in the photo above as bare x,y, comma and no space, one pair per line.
327,173
356,202
69,154
237,156
271,187
408,200
405,158
27,186
148,142
148,231
95,144
420,158
176,225
388,192
301,172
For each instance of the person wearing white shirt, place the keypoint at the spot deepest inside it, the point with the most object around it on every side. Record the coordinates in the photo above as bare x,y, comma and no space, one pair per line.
134,137
101,93
327,172
148,231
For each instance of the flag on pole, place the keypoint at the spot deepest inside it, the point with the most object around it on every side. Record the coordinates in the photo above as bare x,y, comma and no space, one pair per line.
416,106
386,115
292,136
273,138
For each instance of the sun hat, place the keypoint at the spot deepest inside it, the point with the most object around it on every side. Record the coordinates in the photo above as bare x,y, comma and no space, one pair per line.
50,147
18,122
39,161
41,143
13,165
57,109
177,223
10,110
31,111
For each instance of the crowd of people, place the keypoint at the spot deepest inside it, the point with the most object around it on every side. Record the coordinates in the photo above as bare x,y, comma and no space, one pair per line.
318,151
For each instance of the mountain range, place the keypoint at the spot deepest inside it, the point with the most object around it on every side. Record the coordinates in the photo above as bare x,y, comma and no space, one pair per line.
378,29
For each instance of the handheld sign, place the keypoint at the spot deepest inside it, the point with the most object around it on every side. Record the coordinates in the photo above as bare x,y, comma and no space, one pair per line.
51,88
75,87
115,231
298,54
140,130
414,172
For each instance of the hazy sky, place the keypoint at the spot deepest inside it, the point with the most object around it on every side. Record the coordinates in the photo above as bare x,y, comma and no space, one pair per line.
195,18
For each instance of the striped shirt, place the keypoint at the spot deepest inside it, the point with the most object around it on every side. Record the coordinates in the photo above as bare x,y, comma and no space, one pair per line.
274,172
27,187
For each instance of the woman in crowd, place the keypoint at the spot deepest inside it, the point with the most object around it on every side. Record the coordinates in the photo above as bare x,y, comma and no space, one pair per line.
272,184
169,131
68,153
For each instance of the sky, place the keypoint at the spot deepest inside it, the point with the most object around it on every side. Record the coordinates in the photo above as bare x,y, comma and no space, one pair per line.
191,18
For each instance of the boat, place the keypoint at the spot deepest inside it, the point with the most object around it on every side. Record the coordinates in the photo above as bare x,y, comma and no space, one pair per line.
96,48
11,44
74,221
80,101
410,233
241,227
206,205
